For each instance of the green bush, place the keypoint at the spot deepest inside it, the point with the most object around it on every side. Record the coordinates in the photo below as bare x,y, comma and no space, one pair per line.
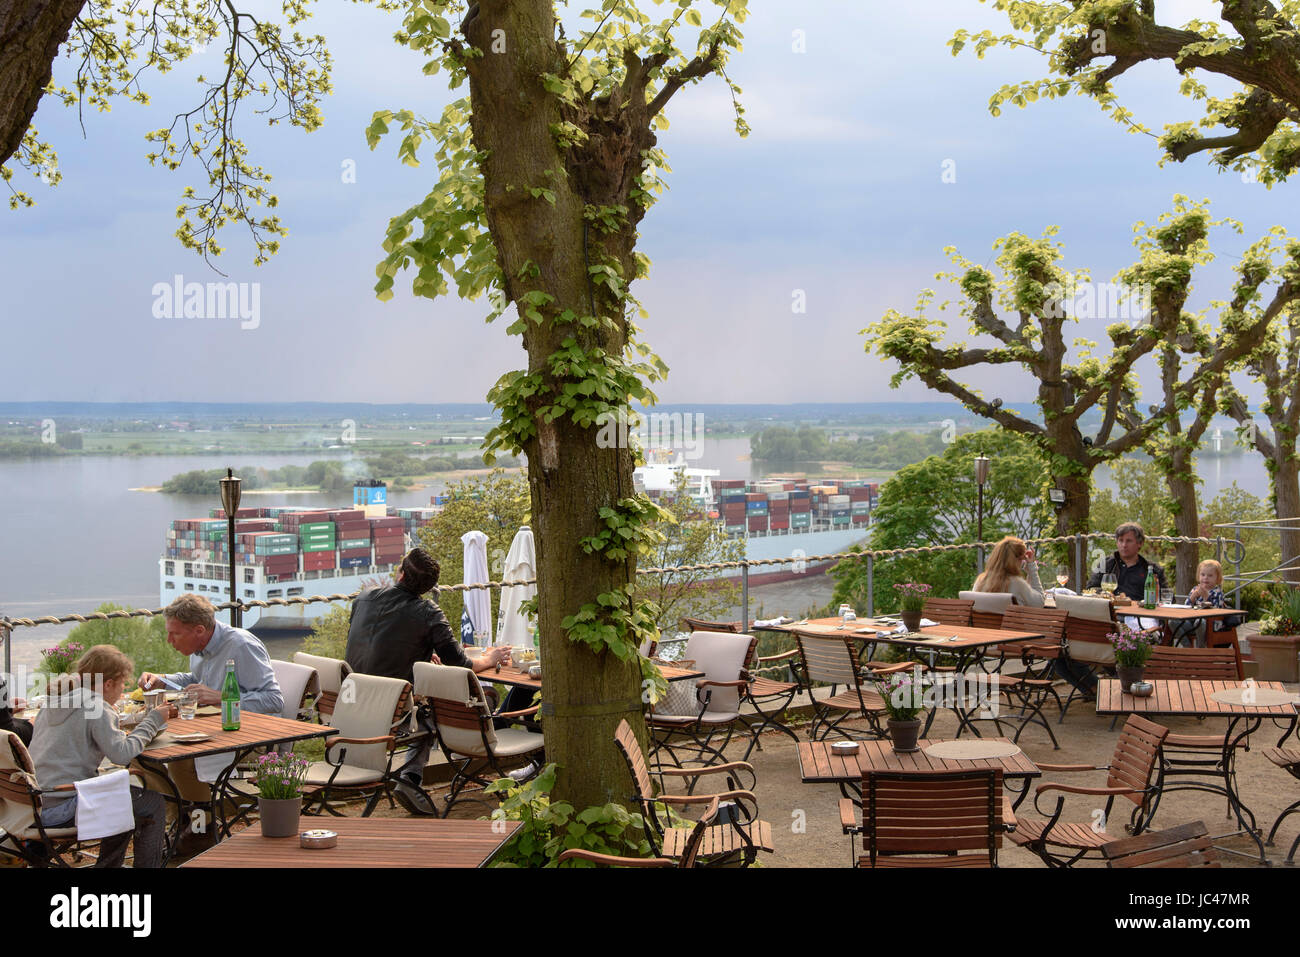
329,633
144,640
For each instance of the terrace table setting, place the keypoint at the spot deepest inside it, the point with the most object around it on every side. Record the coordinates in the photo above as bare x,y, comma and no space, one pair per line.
1244,705
368,842
206,738
819,764
1169,615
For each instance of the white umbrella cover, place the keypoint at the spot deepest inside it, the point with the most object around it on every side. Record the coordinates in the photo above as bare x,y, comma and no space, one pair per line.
478,601
513,627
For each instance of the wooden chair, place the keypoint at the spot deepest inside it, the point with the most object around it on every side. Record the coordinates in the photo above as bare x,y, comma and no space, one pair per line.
466,728
692,726
21,832
738,840
699,624
1128,776
949,611
1196,755
373,716
1187,845
989,606
298,683
1288,759
834,661
330,673
1088,622
689,858
1031,689
768,697
908,814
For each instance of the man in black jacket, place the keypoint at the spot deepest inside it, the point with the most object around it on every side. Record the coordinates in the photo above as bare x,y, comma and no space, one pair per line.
1127,564
391,628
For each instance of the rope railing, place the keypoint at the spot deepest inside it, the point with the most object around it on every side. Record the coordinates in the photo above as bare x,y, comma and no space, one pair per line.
7,623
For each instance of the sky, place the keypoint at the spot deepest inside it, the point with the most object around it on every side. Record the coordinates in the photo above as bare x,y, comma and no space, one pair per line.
838,197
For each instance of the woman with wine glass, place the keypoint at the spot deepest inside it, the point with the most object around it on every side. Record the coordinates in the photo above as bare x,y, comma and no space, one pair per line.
1012,567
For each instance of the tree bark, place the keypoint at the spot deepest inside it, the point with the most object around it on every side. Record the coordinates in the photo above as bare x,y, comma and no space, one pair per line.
31,32
1286,501
1186,520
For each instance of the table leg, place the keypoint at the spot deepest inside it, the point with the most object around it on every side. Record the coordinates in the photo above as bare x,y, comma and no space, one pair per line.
159,770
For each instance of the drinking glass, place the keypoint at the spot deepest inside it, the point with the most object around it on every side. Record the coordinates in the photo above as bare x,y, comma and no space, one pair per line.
1063,575
1109,583
1166,596
188,704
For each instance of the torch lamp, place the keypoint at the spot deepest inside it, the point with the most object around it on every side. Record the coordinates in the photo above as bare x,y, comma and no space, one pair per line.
981,477
230,502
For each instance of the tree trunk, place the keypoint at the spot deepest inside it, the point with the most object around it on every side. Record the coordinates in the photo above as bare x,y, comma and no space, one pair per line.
1286,501
31,32
1186,520
1071,519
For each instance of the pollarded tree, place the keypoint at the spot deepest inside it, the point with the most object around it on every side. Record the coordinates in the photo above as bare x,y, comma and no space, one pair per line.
113,44
1035,290
544,171
1275,365
1088,43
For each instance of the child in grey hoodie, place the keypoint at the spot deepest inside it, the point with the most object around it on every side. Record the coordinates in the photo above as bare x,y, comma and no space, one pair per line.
73,734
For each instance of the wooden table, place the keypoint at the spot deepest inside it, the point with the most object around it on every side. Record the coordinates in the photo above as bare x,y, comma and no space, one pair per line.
1183,698
521,679
368,842
255,731
819,765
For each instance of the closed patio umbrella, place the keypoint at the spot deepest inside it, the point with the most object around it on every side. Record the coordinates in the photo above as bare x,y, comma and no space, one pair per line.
477,616
513,627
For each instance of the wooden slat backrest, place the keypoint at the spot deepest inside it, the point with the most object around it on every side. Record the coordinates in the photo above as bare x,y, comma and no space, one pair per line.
17,773
932,812
1136,753
699,624
985,619
1088,629
626,741
751,656
1050,622
1187,845
1192,664
949,611
829,660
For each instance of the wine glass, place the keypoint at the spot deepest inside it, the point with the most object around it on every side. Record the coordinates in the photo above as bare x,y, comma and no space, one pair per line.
1109,583
1062,575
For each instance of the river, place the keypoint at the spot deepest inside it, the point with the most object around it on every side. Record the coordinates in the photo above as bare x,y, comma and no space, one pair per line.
75,535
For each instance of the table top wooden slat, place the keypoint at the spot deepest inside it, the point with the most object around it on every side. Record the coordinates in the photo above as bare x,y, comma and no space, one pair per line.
255,730
1182,697
819,765
969,637
367,842
521,679
1164,613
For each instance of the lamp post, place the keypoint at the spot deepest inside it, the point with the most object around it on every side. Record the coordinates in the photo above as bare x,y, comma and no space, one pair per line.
230,502
981,476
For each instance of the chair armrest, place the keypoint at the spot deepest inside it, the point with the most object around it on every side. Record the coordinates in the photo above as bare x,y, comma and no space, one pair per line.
882,668
711,769
1070,767
518,714
610,860
387,739
706,683
685,799
793,652
1096,792
55,790
849,816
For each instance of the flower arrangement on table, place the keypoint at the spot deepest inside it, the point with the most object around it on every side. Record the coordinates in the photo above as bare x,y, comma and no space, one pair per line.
60,659
1132,645
279,777
912,595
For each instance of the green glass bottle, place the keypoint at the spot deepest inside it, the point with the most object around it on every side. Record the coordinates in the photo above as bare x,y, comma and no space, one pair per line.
230,698
1151,589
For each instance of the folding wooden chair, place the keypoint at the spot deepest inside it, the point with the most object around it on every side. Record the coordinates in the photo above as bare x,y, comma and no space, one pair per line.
690,851
1288,759
768,697
1187,845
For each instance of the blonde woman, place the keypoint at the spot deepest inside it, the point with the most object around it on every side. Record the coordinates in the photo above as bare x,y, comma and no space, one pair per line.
1012,567
73,734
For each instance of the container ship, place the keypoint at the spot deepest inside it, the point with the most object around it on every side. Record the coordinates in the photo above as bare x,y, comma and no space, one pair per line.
286,552
775,517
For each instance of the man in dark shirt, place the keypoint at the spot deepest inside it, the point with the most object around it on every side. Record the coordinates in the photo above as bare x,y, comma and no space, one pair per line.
1127,564
391,628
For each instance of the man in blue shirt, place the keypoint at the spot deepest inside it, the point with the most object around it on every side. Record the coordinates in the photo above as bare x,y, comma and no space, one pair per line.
193,629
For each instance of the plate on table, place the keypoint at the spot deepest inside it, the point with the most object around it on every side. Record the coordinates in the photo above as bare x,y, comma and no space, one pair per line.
191,737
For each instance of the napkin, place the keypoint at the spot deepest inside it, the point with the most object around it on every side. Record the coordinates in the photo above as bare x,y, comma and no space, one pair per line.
208,766
104,806
769,622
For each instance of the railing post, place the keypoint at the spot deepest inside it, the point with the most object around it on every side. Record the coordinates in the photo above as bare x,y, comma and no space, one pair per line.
744,597
1078,562
871,584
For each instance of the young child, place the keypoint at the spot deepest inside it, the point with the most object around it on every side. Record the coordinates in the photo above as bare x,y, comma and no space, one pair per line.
1208,593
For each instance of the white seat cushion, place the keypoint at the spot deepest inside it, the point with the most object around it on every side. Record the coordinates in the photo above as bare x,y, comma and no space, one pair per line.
349,775
511,742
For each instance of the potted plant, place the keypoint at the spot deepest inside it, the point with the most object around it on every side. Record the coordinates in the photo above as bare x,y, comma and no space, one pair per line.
1276,648
279,780
904,701
1132,652
911,598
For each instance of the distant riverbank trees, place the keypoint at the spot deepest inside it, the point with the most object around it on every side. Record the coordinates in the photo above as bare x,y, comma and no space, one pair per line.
884,450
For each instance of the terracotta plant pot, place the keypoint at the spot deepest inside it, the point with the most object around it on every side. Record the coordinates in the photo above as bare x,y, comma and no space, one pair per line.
1129,675
279,817
904,734
912,619
1278,657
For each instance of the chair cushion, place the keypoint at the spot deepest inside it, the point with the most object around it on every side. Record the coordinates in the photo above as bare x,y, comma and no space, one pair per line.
995,602
514,741
349,775
721,656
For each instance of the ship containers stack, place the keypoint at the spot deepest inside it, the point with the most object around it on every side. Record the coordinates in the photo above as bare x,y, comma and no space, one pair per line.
778,506
756,512
860,504
352,532
800,508
276,552
731,502
389,536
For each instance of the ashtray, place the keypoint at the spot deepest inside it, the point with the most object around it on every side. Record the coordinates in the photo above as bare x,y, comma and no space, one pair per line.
843,748
317,839
535,671
1141,689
